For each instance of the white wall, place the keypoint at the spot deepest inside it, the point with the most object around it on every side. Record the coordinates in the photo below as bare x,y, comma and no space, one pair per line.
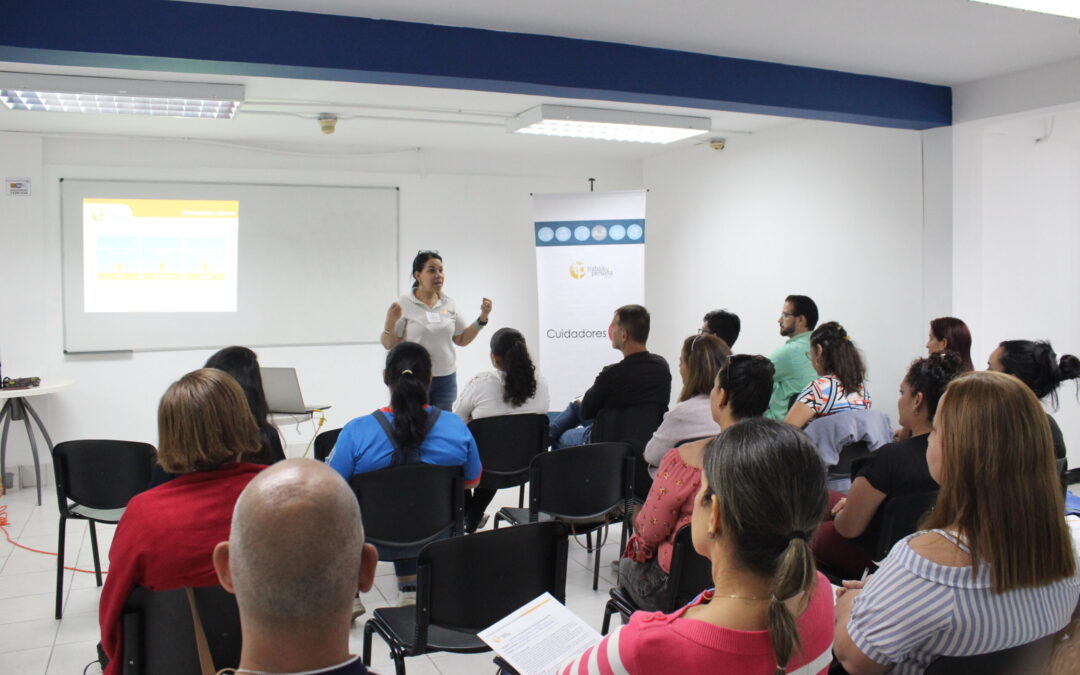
828,210
831,210
1017,243
480,223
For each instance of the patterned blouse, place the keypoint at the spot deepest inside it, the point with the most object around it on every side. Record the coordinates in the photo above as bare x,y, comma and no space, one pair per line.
826,396
668,507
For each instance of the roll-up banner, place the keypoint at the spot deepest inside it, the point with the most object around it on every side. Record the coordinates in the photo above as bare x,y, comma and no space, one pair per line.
590,260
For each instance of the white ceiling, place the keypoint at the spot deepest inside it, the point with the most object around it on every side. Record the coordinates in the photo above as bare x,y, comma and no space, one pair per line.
936,41
946,42
281,114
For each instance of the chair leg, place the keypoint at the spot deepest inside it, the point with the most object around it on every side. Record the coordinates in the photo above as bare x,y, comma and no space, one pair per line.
94,550
596,570
588,542
609,609
60,569
366,654
399,663
521,497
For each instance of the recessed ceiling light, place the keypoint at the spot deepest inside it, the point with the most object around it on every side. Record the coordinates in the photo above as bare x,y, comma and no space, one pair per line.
64,93
1069,8
607,125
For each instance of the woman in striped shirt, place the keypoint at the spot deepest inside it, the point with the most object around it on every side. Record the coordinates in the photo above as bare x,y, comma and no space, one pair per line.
995,567
770,611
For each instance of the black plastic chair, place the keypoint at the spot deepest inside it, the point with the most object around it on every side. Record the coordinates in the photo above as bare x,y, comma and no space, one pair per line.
95,480
507,445
324,443
850,455
900,517
691,573
410,505
583,486
465,584
1032,657
159,633
634,426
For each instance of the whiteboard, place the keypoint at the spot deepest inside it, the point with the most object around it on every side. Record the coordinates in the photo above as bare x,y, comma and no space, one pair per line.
313,265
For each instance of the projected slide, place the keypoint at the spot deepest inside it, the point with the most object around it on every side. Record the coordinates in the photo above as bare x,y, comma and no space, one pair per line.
160,255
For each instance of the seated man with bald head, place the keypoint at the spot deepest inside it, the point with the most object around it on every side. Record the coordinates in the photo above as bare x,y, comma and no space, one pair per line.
295,558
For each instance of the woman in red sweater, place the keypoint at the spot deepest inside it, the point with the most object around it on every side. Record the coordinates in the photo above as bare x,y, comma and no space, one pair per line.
762,495
167,534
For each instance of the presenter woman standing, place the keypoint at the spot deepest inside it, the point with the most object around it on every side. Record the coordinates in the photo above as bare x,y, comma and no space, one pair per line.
429,317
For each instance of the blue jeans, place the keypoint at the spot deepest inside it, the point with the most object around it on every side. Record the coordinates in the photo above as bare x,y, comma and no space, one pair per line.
569,429
443,391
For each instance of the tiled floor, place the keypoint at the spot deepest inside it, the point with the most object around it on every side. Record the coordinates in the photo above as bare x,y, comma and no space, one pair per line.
33,643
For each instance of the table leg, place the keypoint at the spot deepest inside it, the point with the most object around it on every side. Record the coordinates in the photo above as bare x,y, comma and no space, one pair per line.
40,426
5,414
48,441
34,451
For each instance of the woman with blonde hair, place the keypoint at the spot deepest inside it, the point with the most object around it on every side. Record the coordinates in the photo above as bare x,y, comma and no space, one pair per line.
994,567
770,611
167,534
700,360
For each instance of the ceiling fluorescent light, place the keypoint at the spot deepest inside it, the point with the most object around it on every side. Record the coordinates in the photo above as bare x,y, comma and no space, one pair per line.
1069,8
65,93
607,125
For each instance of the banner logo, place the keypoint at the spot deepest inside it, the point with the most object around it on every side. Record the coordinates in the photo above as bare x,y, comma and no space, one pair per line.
577,270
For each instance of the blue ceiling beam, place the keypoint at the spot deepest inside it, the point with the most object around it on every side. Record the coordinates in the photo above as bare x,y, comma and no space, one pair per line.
158,35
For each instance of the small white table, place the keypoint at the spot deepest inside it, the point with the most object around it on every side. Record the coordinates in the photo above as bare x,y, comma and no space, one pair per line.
16,407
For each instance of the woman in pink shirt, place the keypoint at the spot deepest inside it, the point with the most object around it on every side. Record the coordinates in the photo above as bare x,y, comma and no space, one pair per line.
741,390
770,612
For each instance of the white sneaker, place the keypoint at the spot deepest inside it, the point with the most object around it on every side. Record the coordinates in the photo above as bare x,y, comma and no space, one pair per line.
406,596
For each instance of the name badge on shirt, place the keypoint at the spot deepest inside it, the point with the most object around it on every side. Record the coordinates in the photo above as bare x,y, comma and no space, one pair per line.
434,317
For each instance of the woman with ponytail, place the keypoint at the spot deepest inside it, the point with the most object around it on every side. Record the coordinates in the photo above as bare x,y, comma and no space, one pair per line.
770,611
409,431
841,386
1037,366
514,388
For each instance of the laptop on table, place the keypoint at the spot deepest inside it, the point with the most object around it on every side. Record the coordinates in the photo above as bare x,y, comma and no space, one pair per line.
282,389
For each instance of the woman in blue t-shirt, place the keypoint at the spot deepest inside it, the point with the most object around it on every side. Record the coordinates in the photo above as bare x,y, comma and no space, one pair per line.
405,434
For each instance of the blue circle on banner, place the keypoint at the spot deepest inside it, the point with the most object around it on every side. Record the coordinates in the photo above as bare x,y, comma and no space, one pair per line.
562,233
545,234
634,232
599,232
581,233
616,232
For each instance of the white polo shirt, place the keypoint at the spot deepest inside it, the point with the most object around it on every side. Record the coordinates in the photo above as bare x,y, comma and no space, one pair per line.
432,327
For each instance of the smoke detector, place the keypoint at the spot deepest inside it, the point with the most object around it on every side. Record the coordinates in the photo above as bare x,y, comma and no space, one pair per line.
327,122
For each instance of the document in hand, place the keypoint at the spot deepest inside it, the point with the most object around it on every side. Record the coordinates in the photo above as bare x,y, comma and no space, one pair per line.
540,636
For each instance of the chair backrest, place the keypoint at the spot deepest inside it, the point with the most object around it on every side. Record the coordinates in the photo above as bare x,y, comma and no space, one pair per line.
1032,657
634,425
900,517
848,454
101,474
324,443
691,572
159,634
469,583
507,445
581,482
410,505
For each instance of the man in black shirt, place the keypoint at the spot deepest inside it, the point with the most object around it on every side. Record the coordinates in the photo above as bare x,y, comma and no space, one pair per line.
639,379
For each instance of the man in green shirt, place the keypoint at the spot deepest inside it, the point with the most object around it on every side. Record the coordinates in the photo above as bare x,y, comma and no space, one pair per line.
792,360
